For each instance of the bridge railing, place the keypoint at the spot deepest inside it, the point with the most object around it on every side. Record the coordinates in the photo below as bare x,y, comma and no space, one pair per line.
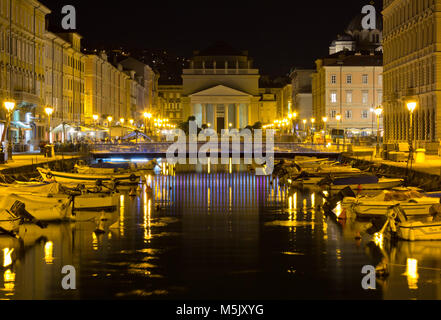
163,147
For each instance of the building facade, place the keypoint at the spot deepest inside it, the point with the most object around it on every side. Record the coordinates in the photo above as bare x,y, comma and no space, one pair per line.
22,29
301,84
412,70
349,84
221,88
109,91
170,103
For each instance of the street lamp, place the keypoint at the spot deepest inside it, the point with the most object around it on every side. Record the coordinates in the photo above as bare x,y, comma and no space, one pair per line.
49,111
338,118
147,116
95,120
325,120
411,106
9,106
312,130
378,112
109,121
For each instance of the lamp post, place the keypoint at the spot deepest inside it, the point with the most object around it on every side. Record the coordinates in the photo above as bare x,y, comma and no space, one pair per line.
378,112
411,106
304,127
95,120
49,111
109,122
312,130
338,118
9,106
325,120
121,121
147,117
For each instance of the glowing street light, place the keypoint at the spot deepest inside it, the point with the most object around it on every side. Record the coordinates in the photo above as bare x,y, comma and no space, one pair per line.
147,117
109,122
411,106
338,118
9,106
49,111
95,120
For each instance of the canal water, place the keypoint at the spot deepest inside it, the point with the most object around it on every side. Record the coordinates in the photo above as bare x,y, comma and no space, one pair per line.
222,233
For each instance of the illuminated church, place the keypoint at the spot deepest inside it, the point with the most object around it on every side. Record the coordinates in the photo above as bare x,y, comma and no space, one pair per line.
221,88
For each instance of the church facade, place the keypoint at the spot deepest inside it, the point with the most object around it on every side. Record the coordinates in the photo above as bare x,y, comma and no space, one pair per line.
221,88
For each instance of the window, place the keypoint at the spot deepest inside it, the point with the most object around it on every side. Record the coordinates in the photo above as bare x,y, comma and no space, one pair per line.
348,96
365,79
365,97
348,114
380,79
333,114
364,114
380,97
349,79
333,97
333,79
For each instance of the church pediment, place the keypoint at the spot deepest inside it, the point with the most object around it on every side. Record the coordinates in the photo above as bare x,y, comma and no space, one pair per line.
220,91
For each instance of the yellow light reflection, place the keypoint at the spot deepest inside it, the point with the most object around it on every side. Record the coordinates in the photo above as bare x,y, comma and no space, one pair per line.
147,219
412,273
209,165
94,241
379,239
9,279
121,215
49,252
231,166
338,209
7,260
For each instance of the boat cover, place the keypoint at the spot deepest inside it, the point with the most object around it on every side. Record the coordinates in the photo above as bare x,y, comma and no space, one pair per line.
357,180
36,188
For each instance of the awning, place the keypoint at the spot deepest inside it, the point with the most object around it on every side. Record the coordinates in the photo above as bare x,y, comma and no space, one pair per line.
59,128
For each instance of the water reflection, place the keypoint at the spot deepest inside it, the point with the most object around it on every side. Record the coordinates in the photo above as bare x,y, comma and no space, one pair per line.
217,233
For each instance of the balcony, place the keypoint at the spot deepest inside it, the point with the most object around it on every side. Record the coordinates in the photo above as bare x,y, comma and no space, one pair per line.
23,96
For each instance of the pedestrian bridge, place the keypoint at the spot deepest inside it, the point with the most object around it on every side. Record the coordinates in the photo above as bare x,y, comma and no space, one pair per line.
160,149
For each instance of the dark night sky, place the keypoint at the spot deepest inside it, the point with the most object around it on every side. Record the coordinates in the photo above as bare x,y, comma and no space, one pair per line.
279,35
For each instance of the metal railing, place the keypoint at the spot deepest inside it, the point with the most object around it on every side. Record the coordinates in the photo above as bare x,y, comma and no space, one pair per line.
163,147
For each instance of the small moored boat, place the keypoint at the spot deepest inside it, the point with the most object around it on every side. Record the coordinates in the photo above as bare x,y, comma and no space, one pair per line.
64,177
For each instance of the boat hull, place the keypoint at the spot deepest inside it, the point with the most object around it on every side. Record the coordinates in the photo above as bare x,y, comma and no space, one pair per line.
68,178
372,208
418,231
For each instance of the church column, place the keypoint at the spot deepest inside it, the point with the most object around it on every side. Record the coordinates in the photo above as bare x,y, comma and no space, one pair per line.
204,113
238,116
249,114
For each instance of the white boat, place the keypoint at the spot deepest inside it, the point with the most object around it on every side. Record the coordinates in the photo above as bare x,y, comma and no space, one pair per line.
41,208
357,182
64,177
107,201
411,202
419,229
96,202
